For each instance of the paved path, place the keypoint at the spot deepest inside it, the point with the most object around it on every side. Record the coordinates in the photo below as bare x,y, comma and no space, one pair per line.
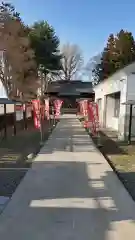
70,193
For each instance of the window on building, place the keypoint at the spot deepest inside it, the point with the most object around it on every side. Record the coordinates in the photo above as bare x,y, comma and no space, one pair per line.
116,105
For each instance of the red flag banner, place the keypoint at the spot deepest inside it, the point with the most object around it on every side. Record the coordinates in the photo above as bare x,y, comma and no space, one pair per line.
81,103
93,117
97,116
36,110
47,109
89,110
84,111
57,106
18,107
80,108
85,107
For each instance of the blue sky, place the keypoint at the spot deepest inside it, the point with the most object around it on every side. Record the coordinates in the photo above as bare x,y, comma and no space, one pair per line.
84,22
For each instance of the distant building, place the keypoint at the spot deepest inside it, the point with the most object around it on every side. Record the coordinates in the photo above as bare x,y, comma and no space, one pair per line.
70,91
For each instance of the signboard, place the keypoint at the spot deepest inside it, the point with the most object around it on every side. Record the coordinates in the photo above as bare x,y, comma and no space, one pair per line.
18,107
84,111
89,110
93,117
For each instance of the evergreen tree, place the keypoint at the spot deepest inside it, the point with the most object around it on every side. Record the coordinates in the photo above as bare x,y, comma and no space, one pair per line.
119,52
45,44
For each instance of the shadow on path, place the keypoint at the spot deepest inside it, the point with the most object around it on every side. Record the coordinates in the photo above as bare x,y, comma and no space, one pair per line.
65,202
67,137
69,199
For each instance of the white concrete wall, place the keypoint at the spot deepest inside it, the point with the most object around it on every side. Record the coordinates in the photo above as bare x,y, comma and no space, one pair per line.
130,96
123,81
131,87
116,83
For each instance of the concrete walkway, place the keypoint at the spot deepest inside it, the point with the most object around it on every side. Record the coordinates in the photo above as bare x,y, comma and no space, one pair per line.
69,193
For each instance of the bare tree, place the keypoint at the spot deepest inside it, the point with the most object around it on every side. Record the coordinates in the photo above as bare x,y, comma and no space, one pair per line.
90,66
71,61
18,71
